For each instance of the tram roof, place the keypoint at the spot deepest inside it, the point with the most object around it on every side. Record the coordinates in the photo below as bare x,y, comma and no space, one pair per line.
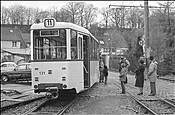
63,25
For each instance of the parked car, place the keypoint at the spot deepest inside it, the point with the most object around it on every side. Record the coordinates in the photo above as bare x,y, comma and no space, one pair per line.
20,72
7,66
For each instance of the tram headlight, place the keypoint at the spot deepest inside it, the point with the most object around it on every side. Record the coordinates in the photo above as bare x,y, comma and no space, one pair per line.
35,86
64,86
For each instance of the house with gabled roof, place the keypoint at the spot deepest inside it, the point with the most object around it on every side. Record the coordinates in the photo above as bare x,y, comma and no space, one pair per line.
15,42
113,42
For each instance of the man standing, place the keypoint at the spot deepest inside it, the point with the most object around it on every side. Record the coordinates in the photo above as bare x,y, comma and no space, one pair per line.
101,65
124,60
152,75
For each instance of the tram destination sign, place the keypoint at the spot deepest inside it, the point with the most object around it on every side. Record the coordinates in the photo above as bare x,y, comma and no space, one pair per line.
49,33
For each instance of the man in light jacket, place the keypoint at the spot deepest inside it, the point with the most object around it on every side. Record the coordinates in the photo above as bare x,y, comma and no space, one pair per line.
127,63
101,66
152,76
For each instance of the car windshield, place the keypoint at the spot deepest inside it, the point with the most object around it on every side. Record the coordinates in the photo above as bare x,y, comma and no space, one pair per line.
21,67
27,66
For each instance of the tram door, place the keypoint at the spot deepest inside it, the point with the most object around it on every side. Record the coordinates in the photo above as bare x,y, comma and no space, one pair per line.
86,62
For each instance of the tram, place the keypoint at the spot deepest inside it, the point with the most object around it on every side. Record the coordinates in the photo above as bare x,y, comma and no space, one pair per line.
64,56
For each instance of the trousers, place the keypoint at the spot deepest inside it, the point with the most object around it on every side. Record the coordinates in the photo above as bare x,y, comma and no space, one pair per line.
123,87
153,87
101,76
105,79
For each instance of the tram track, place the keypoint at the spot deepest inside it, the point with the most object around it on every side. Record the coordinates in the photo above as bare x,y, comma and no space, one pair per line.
159,100
55,106
166,79
52,107
11,104
38,106
154,106
171,101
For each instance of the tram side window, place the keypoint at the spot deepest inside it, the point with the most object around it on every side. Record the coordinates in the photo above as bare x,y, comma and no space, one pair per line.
50,47
95,50
92,48
74,44
80,47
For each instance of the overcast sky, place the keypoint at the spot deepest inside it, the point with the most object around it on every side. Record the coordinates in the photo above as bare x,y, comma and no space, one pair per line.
59,4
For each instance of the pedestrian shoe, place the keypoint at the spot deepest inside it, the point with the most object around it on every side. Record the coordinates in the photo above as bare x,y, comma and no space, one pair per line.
151,94
122,93
140,93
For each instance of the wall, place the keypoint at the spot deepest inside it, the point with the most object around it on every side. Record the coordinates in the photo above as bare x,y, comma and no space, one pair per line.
8,44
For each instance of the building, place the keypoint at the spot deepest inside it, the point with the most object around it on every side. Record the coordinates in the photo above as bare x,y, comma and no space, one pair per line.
114,43
15,43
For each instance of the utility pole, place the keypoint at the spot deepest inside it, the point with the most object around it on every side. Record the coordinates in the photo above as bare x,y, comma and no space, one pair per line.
146,34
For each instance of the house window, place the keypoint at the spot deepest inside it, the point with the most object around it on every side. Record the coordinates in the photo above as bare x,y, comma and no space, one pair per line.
14,44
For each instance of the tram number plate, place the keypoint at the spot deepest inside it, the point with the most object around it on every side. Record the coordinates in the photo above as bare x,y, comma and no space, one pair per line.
49,22
42,72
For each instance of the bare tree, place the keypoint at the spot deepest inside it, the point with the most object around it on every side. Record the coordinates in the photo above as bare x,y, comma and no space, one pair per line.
73,9
167,9
81,13
54,12
28,15
90,14
63,15
105,13
115,17
135,18
17,14
4,15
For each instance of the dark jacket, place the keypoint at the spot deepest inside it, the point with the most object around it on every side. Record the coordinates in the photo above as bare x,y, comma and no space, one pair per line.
105,72
140,76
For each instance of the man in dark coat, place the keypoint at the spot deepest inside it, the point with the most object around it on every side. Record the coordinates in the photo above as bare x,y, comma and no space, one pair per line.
140,76
105,73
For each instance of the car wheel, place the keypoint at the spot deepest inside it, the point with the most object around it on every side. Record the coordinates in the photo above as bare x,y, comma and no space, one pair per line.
5,78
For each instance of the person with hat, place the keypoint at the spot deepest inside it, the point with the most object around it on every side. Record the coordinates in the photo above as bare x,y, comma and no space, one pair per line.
127,64
140,76
122,76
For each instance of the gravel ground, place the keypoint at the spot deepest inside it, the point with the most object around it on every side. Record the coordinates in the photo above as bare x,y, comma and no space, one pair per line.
107,100
169,76
104,99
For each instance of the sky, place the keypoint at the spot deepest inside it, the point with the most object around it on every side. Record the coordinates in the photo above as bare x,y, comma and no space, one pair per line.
100,4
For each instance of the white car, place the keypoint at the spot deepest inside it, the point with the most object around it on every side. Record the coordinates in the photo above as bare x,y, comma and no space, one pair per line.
8,66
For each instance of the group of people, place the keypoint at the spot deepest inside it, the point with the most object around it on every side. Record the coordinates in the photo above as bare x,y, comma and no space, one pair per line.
151,76
139,74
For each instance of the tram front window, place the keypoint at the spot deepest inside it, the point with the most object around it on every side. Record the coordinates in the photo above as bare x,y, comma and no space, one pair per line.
49,46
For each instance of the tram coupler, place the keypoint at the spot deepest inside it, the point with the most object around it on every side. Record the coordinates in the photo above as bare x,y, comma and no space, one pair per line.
52,92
